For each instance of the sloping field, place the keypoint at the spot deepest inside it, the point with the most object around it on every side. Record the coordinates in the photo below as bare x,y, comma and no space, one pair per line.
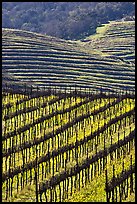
60,146
70,141
105,59
116,39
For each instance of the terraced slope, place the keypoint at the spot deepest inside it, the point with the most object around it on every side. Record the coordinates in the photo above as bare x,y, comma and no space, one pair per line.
104,60
116,39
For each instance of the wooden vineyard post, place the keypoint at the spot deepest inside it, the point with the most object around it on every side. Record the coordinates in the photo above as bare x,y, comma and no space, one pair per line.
63,194
17,185
41,197
63,160
36,181
84,140
51,197
55,194
131,177
67,188
11,185
13,152
79,181
107,197
23,159
65,184
104,150
82,178
71,183
76,149
59,193
42,171
116,194
111,154
113,181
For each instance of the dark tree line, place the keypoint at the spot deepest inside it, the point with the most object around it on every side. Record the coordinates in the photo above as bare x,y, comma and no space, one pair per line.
68,20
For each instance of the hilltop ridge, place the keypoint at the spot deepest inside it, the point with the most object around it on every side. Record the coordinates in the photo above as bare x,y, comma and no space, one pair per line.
67,20
105,60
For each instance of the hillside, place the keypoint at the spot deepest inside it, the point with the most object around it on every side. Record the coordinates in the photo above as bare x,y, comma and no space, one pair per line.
68,114
58,147
67,20
104,60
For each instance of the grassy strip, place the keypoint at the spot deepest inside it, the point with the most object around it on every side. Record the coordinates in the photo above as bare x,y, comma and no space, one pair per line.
95,190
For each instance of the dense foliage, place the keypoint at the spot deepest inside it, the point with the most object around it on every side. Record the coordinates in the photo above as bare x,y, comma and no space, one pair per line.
68,20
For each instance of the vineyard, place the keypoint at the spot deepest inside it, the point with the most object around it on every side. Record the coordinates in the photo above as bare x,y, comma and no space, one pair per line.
61,145
102,60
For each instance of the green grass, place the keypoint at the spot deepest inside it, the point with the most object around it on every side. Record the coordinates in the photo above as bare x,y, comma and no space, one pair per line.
95,190
128,105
